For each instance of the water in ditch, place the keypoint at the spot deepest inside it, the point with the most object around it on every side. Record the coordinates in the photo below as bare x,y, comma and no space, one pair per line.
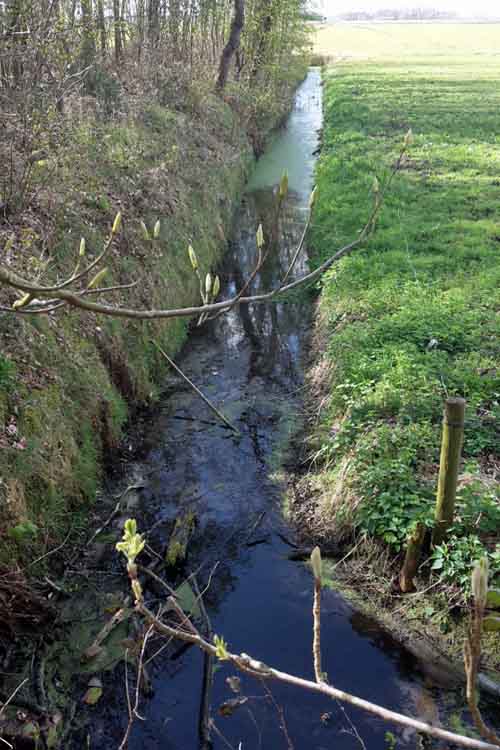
250,363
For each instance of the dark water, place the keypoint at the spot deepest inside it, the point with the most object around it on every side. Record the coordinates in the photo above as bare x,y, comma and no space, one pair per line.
250,363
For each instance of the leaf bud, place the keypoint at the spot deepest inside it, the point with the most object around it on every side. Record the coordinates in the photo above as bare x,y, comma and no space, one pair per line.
208,283
193,258
259,237
145,232
316,563
216,288
98,278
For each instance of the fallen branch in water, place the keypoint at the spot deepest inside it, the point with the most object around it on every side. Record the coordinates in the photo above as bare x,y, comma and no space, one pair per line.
195,388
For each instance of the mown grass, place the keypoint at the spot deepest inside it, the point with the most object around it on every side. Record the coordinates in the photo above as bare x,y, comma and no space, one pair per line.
413,317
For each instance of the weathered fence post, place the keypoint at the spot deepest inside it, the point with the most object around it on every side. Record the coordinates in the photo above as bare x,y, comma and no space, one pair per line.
412,558
451,451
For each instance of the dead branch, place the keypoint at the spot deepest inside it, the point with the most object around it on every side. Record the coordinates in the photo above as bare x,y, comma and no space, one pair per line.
195,388
256,668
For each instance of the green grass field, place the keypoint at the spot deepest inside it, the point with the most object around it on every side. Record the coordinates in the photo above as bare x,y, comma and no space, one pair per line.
415,316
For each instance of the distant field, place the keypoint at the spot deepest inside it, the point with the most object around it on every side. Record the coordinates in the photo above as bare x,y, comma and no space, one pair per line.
408,40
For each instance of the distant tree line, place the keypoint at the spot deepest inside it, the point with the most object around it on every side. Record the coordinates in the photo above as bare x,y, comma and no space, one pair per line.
51,48
59,58
399,14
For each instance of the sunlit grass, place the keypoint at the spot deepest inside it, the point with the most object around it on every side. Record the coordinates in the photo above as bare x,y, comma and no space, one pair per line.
414,317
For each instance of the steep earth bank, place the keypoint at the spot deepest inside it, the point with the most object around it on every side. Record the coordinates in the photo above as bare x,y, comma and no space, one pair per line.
69,382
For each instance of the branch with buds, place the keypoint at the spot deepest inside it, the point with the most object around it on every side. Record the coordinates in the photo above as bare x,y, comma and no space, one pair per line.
133,543
472,647
75,291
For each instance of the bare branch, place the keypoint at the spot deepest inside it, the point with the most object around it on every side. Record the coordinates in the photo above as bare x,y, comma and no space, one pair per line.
250,665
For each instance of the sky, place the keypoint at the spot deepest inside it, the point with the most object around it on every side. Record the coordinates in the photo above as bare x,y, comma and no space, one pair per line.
463,7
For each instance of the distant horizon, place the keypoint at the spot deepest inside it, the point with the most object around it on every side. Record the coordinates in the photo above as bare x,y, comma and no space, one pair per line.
463,8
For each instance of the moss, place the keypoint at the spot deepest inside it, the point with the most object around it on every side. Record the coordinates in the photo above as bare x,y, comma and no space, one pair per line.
71,382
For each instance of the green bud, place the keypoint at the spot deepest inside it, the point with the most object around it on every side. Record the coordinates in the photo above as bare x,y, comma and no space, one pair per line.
97,278
216,289
82,247
221,648
312,198
137,589
259,237
132,543
22,302
193,258
376,185
283,185
117,223
208,283
145,232
156,230
408,138
316,563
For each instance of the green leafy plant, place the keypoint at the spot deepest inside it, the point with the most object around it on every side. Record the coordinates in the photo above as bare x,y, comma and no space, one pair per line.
454,559
24,532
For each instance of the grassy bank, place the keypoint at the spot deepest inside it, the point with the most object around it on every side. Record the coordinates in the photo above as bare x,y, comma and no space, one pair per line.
412,318
69,382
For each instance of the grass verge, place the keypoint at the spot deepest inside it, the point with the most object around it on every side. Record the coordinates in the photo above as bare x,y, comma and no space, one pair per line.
413,317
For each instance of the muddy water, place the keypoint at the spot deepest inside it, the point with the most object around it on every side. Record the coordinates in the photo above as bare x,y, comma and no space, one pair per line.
250,363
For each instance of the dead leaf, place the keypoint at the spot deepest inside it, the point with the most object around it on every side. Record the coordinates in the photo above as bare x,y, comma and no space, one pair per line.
229,707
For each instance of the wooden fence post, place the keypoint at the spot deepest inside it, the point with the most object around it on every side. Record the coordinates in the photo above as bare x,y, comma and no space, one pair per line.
451,452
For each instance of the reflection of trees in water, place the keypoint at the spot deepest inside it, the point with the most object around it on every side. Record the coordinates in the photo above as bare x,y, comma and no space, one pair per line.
268,327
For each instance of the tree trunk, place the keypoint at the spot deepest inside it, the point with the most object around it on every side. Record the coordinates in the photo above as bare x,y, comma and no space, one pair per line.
117,30
154,22
102,27
266,25
88,53
232,45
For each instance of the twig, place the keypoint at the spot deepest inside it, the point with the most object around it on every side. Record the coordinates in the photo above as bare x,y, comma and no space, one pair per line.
281,714
133,712
78,298
317,630
94,649
472,658
12,696
251,666
197,390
